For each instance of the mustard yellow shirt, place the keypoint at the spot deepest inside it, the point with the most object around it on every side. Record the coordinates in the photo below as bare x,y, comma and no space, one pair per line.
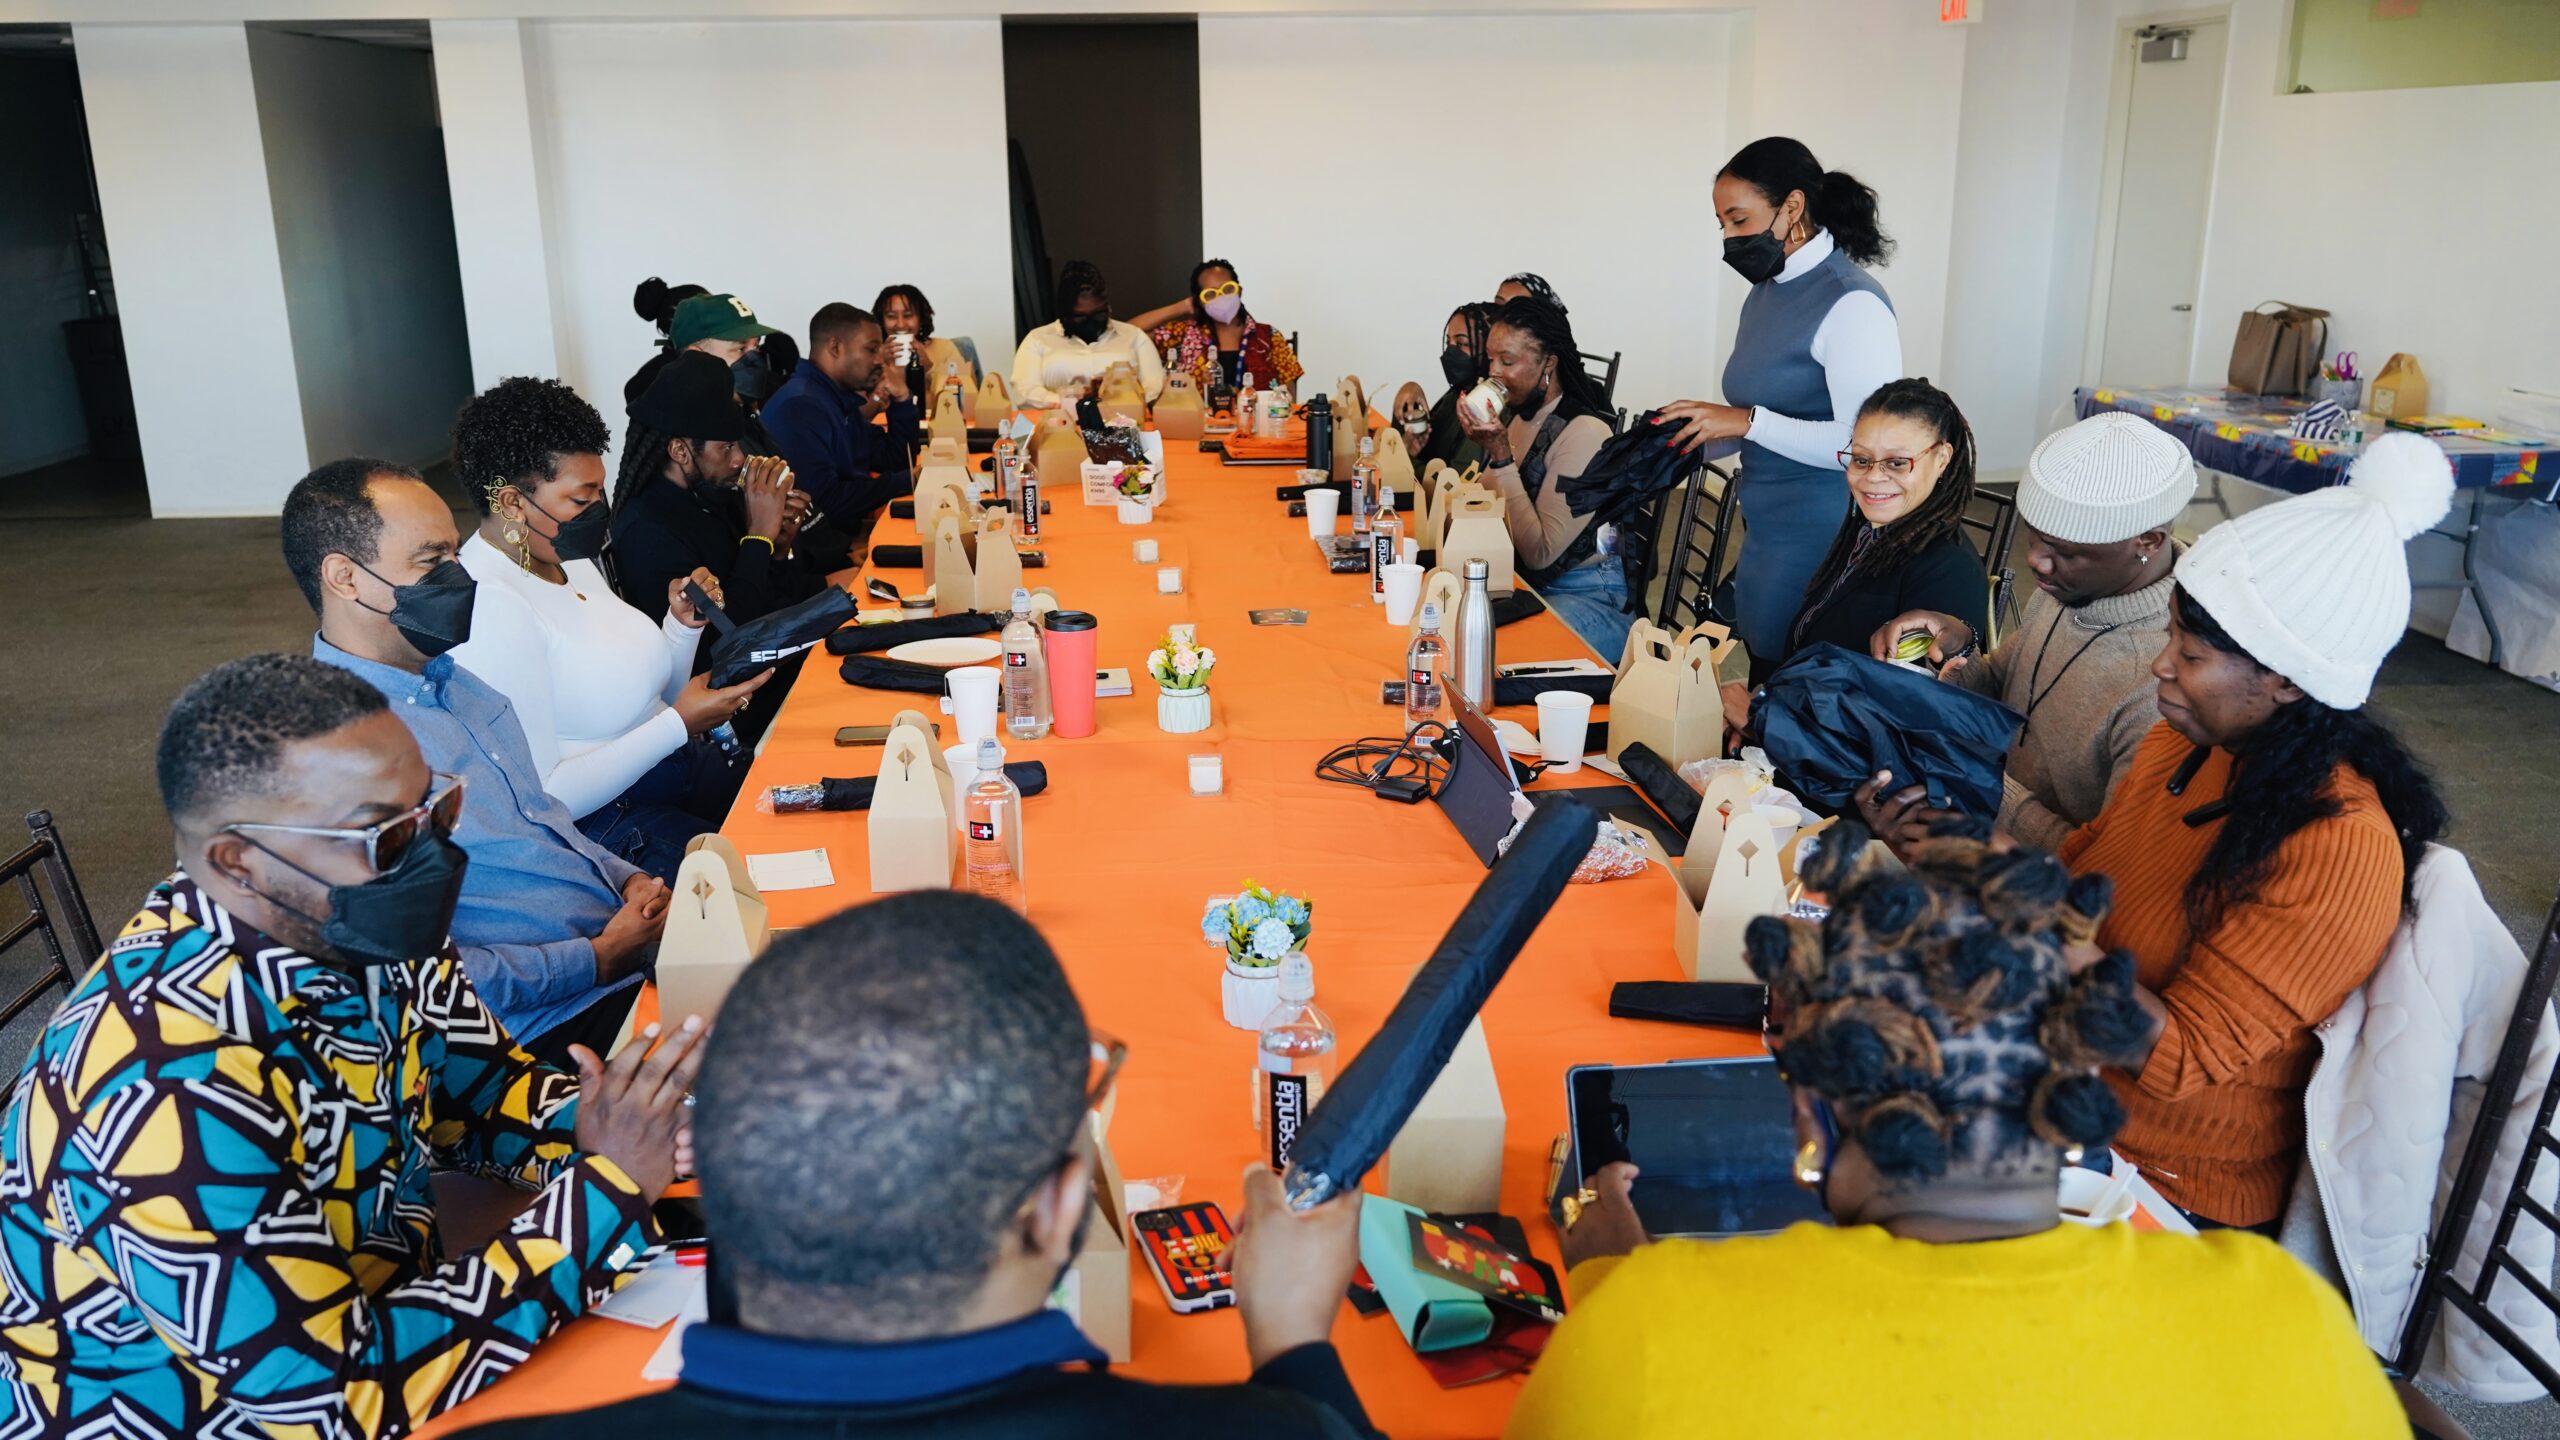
2079,1333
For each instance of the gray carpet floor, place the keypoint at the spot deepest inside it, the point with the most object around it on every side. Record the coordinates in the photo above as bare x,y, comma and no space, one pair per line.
112,615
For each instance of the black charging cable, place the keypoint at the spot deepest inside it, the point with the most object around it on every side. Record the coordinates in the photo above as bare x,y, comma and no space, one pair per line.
1409,768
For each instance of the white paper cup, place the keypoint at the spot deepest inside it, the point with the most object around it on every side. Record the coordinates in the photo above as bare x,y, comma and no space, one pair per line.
902,347
962,760
1404,592
1784,820
1564,720
2086,1197
1322,507
969,698
1409,551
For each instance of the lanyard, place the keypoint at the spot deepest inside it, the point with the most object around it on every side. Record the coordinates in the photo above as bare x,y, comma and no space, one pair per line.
2035,696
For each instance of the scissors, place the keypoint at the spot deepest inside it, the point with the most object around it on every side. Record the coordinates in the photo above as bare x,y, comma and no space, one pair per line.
2345,365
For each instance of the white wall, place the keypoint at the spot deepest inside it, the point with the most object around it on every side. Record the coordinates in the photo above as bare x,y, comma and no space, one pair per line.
499,203
173,124
365,231
753,158
1351,224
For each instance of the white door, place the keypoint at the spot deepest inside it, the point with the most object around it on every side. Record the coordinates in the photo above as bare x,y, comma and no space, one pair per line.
2166,178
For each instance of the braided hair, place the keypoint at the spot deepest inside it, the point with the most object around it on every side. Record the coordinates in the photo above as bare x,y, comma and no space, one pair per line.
1544,322
1932,520
1934,1009
2281,778
644,458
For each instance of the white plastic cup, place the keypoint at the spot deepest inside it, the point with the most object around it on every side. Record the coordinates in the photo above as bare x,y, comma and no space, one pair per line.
1404,592
962,761
1323,507
1564,720
1783,820
969,698
1409,550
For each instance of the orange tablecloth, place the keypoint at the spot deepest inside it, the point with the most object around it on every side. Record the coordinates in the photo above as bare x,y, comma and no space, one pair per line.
1119,857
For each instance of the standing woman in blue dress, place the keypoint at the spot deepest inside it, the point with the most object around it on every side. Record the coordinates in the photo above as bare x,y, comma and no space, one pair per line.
1817,337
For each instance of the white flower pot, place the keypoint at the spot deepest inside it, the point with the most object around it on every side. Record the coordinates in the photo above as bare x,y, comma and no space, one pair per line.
1247,994
1135,512
1182,712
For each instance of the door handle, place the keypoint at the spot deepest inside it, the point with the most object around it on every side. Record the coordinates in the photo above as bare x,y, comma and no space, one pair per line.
2183,309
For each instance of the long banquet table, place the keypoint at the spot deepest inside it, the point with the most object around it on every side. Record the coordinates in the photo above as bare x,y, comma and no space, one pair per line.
1119,857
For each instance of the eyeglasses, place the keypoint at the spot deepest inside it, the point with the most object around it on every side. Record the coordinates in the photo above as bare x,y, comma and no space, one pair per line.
1108,1053
384,843
1896,466
1230,288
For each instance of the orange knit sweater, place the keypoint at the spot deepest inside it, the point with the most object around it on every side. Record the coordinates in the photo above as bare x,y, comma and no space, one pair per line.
2214,1118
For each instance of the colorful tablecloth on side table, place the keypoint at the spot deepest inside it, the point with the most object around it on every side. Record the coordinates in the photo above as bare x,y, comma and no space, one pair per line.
2250,436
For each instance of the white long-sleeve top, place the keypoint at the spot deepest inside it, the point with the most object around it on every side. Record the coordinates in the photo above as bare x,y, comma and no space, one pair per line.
1050,360
1858,345
590,678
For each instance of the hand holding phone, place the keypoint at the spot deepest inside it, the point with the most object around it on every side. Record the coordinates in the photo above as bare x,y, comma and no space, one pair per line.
1187,1247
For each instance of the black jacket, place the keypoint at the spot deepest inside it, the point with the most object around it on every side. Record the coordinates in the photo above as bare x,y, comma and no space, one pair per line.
1303,1393
1946,577
667,529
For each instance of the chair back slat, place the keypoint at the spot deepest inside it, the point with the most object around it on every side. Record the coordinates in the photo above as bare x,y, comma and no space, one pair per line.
57,913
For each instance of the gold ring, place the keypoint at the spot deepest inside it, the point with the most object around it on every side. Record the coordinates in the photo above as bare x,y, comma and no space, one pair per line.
1574,1204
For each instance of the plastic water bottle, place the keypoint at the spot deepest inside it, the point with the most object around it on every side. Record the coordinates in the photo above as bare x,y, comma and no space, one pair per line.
1293,1063
1026,674
990,832
1386,538
1364,478
1244,411
1424,701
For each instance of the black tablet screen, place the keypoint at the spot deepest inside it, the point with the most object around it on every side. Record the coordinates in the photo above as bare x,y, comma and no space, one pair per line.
1715,1140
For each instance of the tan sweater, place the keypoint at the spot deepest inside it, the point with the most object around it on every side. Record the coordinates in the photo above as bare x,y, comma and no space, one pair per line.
1541,528
2093,711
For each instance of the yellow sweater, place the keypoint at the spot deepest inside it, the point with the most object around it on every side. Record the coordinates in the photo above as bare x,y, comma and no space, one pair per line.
2078,1333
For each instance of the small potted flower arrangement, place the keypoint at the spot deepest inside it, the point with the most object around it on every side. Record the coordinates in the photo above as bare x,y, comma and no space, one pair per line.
1258,929
1181,669
1135,491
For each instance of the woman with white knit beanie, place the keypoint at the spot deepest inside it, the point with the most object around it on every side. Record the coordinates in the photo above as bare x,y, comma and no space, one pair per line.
2263,841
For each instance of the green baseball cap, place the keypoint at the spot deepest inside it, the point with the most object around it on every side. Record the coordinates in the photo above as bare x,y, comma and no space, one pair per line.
713,317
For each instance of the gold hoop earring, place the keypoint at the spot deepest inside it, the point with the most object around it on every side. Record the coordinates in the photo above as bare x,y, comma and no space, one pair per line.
1809,1164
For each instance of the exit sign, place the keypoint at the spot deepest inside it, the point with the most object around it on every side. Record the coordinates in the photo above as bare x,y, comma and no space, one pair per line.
1959,12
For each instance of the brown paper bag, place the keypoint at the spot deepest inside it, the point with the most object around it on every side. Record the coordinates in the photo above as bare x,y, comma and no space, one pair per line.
947,421
1395,463
1350,425
955,579
716,924
1180,412
999,565
994,401
910,819
1728,875
1447,1160
2399,389
1440,587
2278,349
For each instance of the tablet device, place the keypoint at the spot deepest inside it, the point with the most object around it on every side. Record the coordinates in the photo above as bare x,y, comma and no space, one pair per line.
1715,1140
1476,795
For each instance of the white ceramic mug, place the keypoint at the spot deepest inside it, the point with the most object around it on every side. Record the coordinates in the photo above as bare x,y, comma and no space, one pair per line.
1323,507
969,698
1564,722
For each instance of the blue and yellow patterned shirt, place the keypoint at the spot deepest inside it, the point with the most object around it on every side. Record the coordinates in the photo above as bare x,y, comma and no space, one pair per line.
214,1213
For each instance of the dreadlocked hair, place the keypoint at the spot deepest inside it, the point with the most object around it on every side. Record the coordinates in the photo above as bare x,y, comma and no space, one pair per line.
1544,322
1933,519
644,458
2282,779
1934,1009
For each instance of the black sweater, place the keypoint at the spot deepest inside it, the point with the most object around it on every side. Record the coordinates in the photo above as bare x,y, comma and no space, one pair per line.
668,529
1946,576
1300,1394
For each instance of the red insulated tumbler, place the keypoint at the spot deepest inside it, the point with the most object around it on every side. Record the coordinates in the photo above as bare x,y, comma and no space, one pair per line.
1069,643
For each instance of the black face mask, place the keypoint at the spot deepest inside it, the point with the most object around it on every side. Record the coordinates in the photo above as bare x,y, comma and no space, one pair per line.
1527,405
581,536
1459,368
433,612
1757,258
752,376
1088,328
405,913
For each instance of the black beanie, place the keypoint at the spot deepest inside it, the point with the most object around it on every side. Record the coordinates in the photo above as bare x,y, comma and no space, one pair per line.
692,399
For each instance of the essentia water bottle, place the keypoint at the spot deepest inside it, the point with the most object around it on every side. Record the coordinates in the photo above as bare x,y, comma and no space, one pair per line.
990,832
1293,1062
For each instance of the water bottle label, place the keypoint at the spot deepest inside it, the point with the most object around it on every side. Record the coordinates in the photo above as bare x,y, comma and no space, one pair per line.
1382,553
1289,1106
982,829
1014,658
1422,677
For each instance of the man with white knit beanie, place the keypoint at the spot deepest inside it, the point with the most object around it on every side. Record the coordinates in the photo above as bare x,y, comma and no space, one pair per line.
2096,506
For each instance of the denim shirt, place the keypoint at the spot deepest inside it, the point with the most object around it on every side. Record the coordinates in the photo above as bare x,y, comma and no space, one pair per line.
536,892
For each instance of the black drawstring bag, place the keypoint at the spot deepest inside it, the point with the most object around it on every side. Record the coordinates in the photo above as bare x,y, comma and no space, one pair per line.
1830,719
741,652
872,639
